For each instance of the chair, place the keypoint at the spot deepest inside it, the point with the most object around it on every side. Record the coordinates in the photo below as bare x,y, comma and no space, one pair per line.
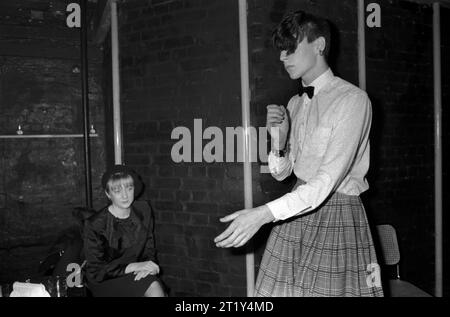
391,256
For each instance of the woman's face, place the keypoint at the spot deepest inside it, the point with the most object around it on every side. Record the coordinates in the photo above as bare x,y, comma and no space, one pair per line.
121,192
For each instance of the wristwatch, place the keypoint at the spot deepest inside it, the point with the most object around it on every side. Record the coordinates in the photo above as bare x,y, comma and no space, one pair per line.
279,153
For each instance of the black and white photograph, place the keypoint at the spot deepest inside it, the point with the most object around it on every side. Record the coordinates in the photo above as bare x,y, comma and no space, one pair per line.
224,155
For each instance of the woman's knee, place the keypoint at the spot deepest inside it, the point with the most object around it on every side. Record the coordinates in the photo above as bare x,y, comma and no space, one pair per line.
155,290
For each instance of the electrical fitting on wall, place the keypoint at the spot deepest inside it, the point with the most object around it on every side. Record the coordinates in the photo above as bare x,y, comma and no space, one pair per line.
19,130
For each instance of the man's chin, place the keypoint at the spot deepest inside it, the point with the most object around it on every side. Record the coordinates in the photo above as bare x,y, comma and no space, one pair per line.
294,76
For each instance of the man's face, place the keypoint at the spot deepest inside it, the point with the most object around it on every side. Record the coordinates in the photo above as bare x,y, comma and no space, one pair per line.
121,192
299,63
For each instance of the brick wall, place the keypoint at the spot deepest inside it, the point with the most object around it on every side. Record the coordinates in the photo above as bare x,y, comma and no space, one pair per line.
180,61
400,84
42,180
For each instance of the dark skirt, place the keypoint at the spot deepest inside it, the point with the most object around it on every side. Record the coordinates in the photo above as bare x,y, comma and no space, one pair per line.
124,286
328,252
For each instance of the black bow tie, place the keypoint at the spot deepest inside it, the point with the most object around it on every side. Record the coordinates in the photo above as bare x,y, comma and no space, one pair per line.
306,90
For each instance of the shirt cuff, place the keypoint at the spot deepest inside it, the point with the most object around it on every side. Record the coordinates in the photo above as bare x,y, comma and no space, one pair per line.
288,206
275,163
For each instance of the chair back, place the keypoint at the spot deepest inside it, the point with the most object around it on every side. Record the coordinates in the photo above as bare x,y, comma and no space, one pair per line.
389,244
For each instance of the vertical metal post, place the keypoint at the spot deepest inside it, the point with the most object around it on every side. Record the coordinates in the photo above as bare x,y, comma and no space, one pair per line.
362,46
245,91
438,146
85,102
118,150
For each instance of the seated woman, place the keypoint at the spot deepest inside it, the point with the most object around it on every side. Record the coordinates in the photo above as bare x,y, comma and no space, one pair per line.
118,241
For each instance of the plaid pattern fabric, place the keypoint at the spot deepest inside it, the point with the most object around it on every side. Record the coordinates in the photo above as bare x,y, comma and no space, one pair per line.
328,252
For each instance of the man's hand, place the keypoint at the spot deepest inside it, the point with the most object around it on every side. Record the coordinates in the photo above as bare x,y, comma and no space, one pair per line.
278,125
244,225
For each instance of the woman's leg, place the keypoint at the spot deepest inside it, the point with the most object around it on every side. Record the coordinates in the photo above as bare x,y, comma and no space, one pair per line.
155,290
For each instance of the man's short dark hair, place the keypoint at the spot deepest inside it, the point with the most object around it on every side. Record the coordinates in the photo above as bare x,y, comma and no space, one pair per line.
297,25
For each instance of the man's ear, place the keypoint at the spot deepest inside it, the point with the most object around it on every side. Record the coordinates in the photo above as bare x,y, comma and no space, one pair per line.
107,194
321,44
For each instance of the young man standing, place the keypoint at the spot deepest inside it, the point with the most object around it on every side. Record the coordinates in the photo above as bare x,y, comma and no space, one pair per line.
321,243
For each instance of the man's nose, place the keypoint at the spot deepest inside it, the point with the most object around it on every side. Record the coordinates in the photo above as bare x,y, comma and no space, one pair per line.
283,56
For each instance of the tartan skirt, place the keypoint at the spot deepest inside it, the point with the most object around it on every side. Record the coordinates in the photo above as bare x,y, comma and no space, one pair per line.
326,253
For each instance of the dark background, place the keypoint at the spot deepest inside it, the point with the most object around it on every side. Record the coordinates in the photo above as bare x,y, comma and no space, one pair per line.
179,62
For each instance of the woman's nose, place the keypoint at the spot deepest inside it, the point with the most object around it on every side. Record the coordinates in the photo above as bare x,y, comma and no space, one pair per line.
283,56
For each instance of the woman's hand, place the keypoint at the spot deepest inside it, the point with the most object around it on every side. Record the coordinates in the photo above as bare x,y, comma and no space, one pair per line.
141,275
149,266
139,267
244,225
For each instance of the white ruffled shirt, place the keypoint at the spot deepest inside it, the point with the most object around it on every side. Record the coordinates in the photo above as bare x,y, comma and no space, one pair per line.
328,146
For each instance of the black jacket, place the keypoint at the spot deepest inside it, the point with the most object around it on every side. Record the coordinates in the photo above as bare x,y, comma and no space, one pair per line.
110,244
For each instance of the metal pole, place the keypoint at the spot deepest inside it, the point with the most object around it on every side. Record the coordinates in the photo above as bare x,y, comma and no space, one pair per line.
438,145
116,85
85,101
362,45
245,91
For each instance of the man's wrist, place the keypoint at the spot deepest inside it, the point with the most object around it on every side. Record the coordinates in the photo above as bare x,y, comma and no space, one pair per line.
279,153
266,214
278,145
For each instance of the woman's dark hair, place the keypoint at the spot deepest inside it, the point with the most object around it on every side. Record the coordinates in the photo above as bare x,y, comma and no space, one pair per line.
295,26
118,172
